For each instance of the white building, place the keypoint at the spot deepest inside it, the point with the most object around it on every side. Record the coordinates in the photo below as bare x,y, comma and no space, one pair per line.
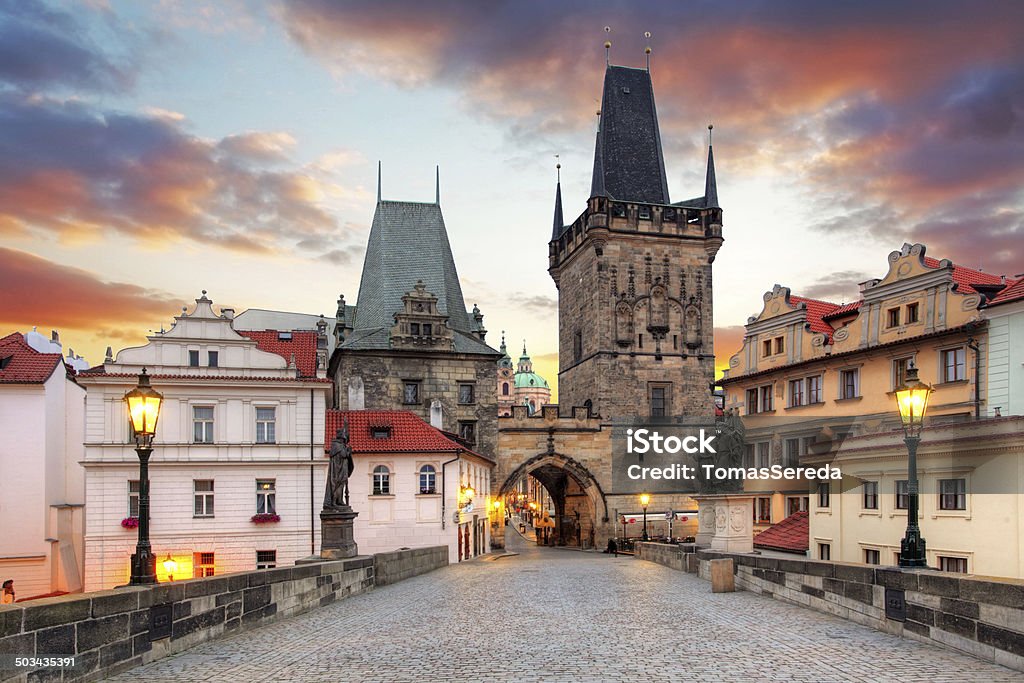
414,485
1005,314
42,488
240,434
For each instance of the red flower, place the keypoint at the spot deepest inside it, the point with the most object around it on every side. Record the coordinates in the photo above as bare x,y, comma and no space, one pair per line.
130,522
265,517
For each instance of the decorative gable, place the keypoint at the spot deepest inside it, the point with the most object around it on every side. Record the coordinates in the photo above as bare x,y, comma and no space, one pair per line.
420,325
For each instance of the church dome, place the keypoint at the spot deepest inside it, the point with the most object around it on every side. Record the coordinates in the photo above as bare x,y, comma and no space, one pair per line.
528,380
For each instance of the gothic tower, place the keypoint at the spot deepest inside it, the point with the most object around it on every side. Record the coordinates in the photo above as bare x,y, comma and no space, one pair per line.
633,272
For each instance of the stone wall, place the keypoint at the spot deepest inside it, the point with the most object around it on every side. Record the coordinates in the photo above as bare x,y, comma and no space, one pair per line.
111,631
982,616
397,566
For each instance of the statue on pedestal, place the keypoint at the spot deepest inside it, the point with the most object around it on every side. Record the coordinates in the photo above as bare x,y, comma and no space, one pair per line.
730,447
336,496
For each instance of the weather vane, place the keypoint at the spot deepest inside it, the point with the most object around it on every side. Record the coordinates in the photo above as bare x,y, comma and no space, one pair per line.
608,46
647,50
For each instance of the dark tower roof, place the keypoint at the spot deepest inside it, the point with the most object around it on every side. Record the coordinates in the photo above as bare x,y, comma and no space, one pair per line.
408,242
710,185
556,230
628,161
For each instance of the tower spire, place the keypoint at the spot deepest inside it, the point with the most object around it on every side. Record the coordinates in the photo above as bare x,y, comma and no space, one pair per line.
647,50
378,181
437,185
556,230
710,184
608,47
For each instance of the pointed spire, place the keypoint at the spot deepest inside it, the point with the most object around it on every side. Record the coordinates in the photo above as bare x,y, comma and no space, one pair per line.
503,348
556,230
710,184
378,181
437,185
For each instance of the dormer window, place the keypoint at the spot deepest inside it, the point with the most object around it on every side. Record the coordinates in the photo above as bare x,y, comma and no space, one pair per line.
414,329
894,317
284,336
380,432
428,329
5,361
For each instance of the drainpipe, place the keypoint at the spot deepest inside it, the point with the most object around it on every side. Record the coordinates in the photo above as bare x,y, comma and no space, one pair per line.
973,345
444,489
312,467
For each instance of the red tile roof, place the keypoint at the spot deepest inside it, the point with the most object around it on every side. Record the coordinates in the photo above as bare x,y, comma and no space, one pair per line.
302,345
845,309
24,365
1014,292
100,371
816,311
965,277
790,535
409,433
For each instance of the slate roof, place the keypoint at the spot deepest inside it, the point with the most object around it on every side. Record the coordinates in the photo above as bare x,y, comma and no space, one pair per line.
408,242
790,535
628,160
24,365
302,345
409,433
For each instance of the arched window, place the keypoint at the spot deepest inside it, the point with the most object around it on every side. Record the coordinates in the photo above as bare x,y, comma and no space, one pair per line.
504,389
381,481
428,479
589,405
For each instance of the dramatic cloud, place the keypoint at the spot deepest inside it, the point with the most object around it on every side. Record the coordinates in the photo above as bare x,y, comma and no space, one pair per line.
79,173
897,113
841,287
40,292
534,303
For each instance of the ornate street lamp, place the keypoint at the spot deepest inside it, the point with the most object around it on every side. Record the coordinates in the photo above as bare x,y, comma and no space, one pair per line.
645,500
143,410
912,401
170,566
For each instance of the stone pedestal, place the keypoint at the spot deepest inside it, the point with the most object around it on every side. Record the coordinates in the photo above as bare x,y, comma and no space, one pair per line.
729,519
336,539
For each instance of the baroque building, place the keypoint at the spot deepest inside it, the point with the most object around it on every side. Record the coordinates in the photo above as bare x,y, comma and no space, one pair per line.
520,386
409,344
634,280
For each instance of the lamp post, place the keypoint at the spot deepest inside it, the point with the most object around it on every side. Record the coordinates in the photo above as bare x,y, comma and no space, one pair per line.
170,566
143,410
912,401
645,500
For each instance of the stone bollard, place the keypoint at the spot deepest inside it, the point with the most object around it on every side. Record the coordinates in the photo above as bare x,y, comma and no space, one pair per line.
691,565
722,579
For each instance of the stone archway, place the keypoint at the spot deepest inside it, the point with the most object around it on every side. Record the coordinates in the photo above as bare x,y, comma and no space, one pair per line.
569,483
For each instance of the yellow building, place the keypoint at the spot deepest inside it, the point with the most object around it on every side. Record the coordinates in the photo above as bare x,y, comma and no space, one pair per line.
816,378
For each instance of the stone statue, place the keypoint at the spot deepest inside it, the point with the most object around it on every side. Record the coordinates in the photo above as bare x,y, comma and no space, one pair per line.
340,469
729,450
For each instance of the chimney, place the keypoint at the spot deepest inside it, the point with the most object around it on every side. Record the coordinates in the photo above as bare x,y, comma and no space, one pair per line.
228,313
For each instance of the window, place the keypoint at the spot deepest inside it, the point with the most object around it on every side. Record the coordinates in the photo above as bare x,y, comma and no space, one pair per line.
467,430
952,494
577,346
414,329
893,318
428,329
193,359
213,358
823,494
748,456
265,425
849,383
792,452
381,481
202,490
956,565
780,344
899,372
202,424
752,402
202,565
870,495
872,556
657,401
953,368
795,504
411,393
133,497
766,348
640,341
764,454
266,559
902,495
266,495
763,511
796,392
824,551
913,313
767,404
380,432
467,393
428,479
814,389
808,445
644,213
504,388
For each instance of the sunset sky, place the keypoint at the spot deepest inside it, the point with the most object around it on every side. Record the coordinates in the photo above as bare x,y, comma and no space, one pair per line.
152,150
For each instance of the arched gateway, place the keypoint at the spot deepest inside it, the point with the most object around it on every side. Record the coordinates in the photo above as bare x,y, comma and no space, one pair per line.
569,457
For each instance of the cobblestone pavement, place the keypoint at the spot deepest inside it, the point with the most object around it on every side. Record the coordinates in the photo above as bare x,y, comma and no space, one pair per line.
562,615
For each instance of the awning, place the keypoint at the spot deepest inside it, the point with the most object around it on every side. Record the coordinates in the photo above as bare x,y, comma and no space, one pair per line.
638,517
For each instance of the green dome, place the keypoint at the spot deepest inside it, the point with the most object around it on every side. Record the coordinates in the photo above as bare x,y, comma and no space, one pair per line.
530,379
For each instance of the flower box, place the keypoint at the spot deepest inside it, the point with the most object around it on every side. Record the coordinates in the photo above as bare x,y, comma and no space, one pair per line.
265,518
130,522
